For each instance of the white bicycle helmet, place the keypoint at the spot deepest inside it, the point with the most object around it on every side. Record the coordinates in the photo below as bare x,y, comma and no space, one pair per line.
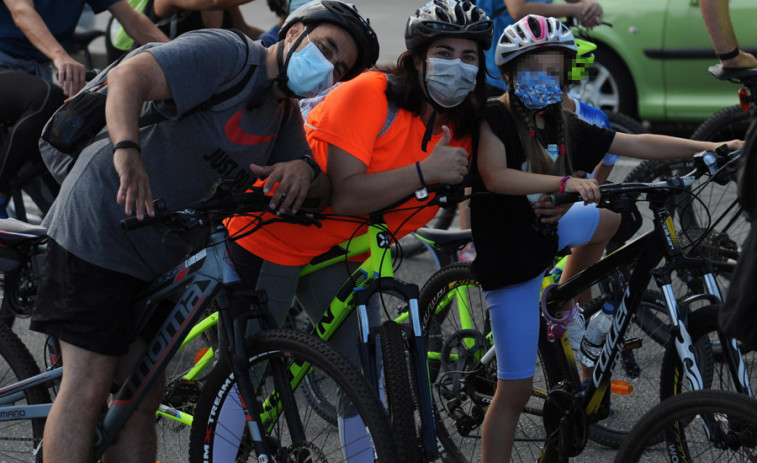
531,33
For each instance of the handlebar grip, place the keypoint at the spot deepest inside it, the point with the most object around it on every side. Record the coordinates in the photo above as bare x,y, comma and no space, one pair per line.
133,222
558,199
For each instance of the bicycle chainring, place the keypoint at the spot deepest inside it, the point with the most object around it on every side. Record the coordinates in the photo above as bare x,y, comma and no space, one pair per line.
301,452
565,420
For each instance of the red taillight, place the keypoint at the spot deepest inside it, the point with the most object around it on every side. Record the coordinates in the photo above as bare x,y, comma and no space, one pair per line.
744,98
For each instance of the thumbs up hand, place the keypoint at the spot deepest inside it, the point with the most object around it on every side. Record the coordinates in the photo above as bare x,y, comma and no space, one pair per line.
445,164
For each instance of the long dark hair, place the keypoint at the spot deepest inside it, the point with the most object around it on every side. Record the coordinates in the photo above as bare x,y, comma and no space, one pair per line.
406,91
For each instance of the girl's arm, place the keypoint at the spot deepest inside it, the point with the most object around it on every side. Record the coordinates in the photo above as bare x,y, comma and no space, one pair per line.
498,178
652,146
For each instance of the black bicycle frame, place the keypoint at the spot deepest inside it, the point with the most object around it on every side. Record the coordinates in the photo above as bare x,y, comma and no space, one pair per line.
647,252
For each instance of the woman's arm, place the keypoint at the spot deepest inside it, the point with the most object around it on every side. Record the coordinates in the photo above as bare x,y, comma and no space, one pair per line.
355,191
653,146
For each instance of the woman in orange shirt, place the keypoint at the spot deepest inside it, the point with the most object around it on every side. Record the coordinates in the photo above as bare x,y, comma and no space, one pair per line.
430,97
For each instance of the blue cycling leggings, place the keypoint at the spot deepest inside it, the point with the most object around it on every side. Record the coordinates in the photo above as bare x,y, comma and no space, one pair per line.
515,310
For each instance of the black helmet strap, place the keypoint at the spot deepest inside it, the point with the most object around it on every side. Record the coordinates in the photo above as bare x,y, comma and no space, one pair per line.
282,78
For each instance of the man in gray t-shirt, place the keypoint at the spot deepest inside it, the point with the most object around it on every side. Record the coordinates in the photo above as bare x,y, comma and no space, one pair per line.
93,268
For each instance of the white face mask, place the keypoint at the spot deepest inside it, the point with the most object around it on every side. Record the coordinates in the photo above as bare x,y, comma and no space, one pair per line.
449,81
309,72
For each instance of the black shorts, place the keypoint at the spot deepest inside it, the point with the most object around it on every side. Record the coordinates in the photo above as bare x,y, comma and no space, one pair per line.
84,304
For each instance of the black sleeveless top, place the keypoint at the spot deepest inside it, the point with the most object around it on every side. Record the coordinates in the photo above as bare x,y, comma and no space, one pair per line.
512,245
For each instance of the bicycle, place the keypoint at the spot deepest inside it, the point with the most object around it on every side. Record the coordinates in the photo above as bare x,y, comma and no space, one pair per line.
708,425
465,373
269,366
401,338
716,227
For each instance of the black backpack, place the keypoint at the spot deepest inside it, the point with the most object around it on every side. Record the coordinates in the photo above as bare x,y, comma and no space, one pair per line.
80,121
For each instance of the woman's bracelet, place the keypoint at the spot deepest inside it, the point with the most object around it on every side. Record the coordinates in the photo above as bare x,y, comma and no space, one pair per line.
420,174
562,183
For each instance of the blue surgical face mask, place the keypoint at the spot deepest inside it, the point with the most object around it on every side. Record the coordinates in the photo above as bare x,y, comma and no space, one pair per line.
537,90
449,81
309,72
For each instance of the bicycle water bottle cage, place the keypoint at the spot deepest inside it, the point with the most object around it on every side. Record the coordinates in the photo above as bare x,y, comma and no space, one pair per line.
556,327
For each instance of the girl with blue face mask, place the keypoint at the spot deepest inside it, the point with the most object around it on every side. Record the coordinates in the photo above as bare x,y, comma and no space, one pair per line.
529,146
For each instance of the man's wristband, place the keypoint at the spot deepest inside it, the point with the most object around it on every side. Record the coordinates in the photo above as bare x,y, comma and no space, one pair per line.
126,144
313,165
730,55
562,183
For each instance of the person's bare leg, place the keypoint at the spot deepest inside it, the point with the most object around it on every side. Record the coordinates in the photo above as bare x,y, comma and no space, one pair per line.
70,426
137,441
584,256
501,419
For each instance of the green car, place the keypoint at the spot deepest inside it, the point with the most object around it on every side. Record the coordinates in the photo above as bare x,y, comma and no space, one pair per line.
651,63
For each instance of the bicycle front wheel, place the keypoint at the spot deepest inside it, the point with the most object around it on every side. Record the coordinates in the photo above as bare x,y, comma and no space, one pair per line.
704,426
19,438
456,320
219,432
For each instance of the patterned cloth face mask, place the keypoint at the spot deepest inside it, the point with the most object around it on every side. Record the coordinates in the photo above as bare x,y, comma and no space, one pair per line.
449,81
309,72
537,90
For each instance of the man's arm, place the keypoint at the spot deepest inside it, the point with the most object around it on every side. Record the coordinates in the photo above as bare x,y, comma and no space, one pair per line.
137,25
26,18
130,84
717,18
589,12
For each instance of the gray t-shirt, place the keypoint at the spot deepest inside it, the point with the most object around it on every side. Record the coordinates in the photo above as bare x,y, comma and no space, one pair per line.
183,156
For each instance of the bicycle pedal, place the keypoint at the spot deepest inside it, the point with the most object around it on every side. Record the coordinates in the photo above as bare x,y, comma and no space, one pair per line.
632,343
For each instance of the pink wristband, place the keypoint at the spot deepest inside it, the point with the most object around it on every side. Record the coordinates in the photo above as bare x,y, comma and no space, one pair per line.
562,183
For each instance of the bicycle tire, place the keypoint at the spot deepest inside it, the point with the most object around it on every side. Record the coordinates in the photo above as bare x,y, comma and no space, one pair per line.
16,364
461,390
217,423
727,124
401,401
620,122
685,440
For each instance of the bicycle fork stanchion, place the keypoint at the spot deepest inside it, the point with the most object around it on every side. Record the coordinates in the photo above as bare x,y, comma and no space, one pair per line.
246,306
417,349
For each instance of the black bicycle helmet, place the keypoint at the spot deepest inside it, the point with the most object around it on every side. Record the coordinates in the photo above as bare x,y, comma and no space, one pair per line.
346,16
448,18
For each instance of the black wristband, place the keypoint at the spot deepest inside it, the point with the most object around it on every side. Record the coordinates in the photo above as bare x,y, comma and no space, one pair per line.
126,144
313,165
730,55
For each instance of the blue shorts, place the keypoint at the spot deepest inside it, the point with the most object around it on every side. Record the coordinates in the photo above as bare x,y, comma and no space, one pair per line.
515,310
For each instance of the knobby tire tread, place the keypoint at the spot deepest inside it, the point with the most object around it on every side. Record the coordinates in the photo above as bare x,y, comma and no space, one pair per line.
305,348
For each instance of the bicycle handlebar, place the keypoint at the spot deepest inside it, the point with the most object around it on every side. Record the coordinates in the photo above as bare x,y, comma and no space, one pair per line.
220,203
714,163
611,192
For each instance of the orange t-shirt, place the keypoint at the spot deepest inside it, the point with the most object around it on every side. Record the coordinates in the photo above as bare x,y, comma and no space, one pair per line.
351,117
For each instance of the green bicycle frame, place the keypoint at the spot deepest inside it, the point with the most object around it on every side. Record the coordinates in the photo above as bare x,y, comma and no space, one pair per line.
376,241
